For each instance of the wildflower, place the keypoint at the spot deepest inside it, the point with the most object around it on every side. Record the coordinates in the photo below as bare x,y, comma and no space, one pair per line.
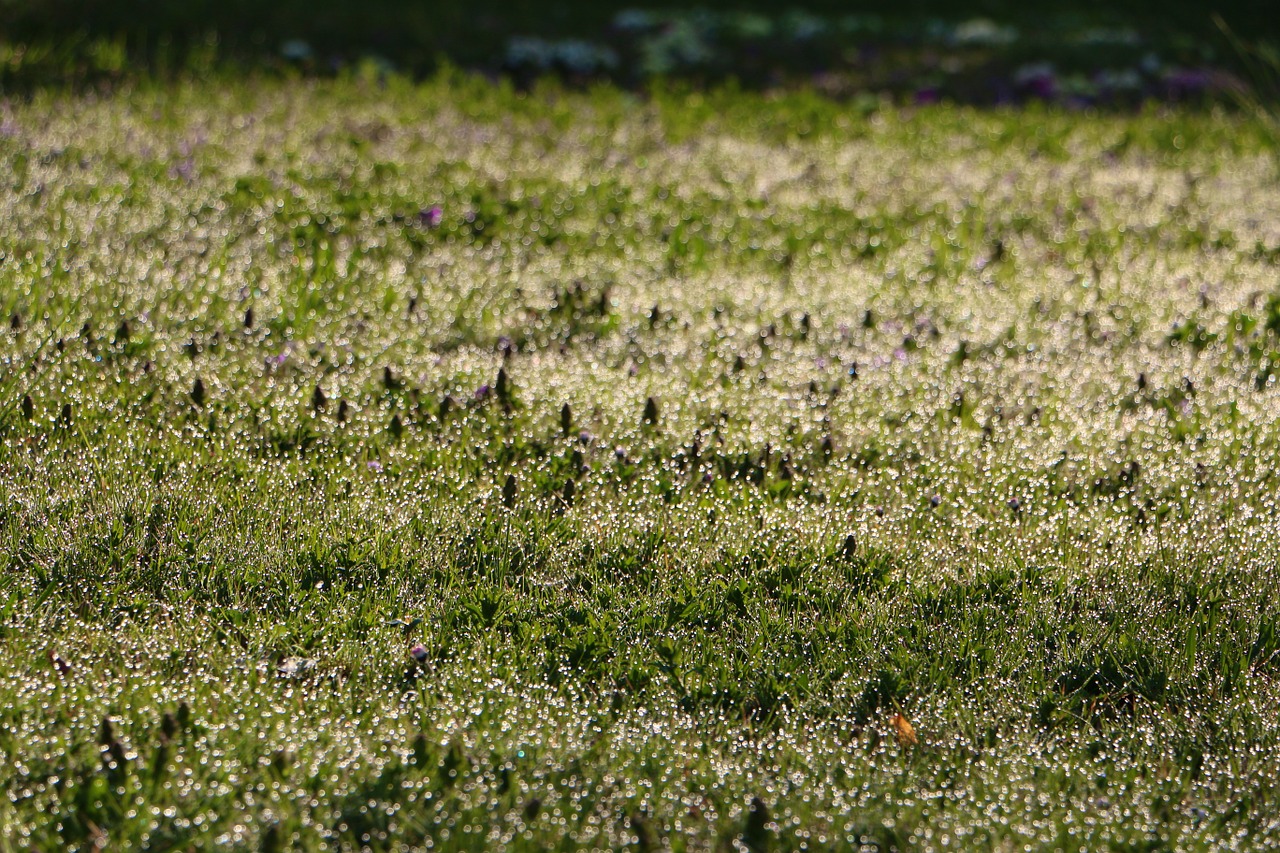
418,652
1037,80
431,217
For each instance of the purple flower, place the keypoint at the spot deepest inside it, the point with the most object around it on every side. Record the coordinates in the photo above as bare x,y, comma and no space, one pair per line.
1037,80
185,169
374,466
431,217
1187,82
482,392
418,652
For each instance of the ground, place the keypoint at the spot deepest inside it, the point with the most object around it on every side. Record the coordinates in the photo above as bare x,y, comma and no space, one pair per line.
393,464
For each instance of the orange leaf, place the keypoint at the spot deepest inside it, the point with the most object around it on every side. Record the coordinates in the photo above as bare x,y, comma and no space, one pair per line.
905,732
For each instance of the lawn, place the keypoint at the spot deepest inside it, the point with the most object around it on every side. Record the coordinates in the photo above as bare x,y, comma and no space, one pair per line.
435,465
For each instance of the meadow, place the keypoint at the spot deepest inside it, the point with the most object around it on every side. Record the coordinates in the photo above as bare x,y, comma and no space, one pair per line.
436,465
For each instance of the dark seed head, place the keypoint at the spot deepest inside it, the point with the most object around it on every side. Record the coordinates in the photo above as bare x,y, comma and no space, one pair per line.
645,840
197,392
318,400
15,322
566,419
396,427
28,407
248,318
271,839
107,734
421,750
342,411
650,411
168,725
445,405
755,835
66,415
568,492
509,491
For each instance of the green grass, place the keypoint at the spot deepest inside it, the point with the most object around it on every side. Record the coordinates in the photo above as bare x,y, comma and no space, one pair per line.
968,416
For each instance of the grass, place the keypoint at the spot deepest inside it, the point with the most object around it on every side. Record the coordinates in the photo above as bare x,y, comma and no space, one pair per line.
624,500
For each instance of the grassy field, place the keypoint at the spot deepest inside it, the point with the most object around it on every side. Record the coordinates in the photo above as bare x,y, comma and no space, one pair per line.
435,466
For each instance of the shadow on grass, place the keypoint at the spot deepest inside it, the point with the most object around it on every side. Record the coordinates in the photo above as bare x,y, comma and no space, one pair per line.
984,52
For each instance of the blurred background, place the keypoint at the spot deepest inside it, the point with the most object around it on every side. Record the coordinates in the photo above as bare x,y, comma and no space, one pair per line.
1096,52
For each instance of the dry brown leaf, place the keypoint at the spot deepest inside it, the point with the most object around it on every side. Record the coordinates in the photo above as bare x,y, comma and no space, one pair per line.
903,730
